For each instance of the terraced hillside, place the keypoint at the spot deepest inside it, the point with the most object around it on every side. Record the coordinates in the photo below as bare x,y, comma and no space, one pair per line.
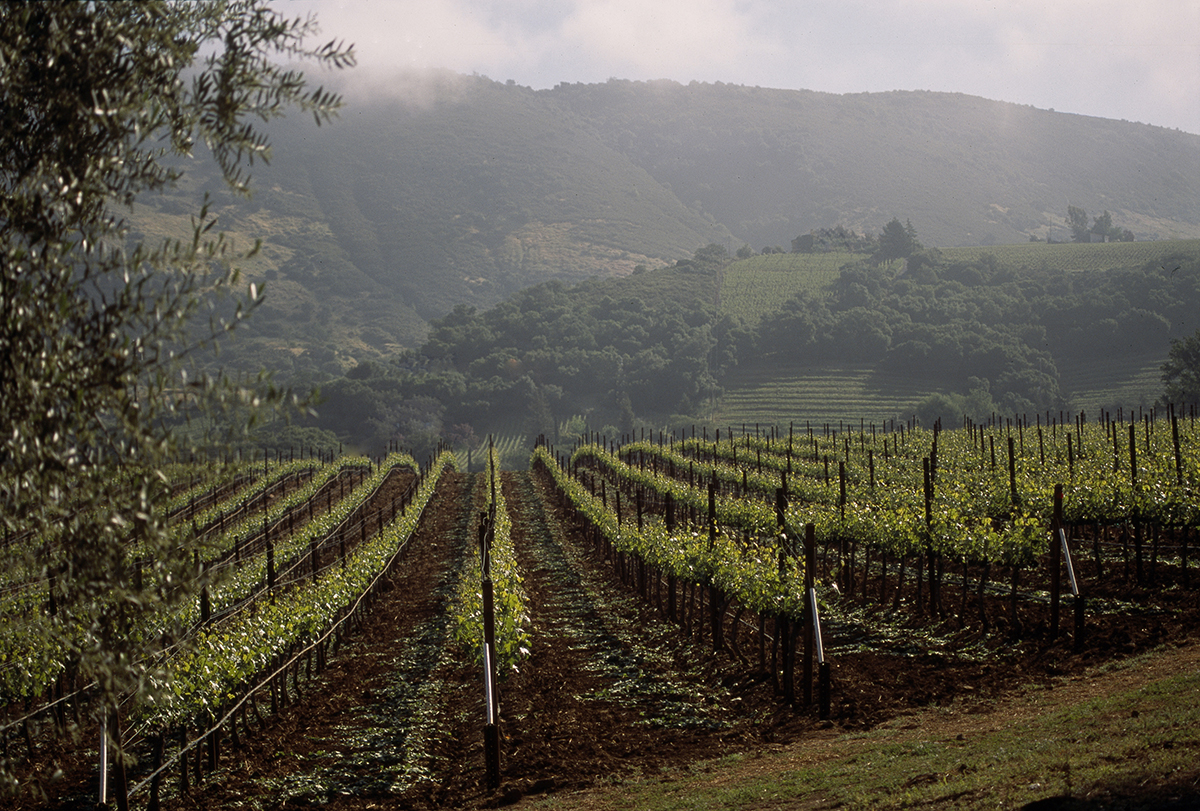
830,393
783,385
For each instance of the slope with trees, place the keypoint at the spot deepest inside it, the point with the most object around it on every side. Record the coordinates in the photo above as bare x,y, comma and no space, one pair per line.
1181,371
972,335
444,189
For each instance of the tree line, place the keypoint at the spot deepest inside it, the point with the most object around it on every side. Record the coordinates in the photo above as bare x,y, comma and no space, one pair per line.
654,347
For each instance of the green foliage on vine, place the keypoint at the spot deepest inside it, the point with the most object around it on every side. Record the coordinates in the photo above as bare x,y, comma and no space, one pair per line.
513,637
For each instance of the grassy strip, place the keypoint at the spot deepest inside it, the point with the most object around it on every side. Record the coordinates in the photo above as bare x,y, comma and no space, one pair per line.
1071,256
1134,749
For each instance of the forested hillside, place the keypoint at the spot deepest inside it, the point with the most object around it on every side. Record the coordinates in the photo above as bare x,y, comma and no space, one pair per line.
580,216
460,190
658,348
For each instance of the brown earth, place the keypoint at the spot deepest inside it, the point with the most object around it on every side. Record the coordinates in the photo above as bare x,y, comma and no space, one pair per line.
613,690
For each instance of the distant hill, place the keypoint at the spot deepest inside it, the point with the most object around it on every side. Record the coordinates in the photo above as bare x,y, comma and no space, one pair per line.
772,164
461,190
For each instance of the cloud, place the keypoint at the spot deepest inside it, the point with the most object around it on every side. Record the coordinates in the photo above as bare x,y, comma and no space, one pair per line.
1111,58
671,38
388,35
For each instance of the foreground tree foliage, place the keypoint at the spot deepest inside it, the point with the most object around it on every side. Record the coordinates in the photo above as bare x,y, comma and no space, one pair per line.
98,100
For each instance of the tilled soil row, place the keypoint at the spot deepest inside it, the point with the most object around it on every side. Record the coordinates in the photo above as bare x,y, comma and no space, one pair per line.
611,688
356,734
271,754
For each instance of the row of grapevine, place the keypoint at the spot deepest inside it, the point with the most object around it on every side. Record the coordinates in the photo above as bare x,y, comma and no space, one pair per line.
201,664
274,553
218,679
979,499
31,561
32,662
511,612
208,482
872,487
701,575
754,574
222,659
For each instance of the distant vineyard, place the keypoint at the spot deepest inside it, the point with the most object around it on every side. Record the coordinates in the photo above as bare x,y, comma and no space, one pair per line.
771,394
752,287
755,286
512,452
1105,381
1076,257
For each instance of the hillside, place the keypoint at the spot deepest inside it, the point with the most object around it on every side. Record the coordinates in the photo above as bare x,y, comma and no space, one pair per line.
787,338
772,164
1027,327
461,190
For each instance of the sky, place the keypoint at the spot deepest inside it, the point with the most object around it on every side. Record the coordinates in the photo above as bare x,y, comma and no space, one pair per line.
1137,60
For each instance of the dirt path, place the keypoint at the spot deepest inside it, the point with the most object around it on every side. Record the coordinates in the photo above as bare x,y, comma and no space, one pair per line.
608,690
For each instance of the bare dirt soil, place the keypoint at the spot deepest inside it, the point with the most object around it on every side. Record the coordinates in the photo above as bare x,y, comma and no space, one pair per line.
614,690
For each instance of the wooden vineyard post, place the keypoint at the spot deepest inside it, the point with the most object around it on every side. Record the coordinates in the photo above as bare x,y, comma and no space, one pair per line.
1175,441
784,635
1012,473
205,601
1079,605
491,730
1015,631
810,563
842,489
823,680
670,521
934,603
270,562
1055,562
789,636
712,513
1183,560
157,746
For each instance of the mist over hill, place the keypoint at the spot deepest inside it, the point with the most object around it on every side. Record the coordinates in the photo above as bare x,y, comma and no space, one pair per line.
444,190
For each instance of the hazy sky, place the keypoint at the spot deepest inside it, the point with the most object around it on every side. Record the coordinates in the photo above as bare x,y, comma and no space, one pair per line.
1132,59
